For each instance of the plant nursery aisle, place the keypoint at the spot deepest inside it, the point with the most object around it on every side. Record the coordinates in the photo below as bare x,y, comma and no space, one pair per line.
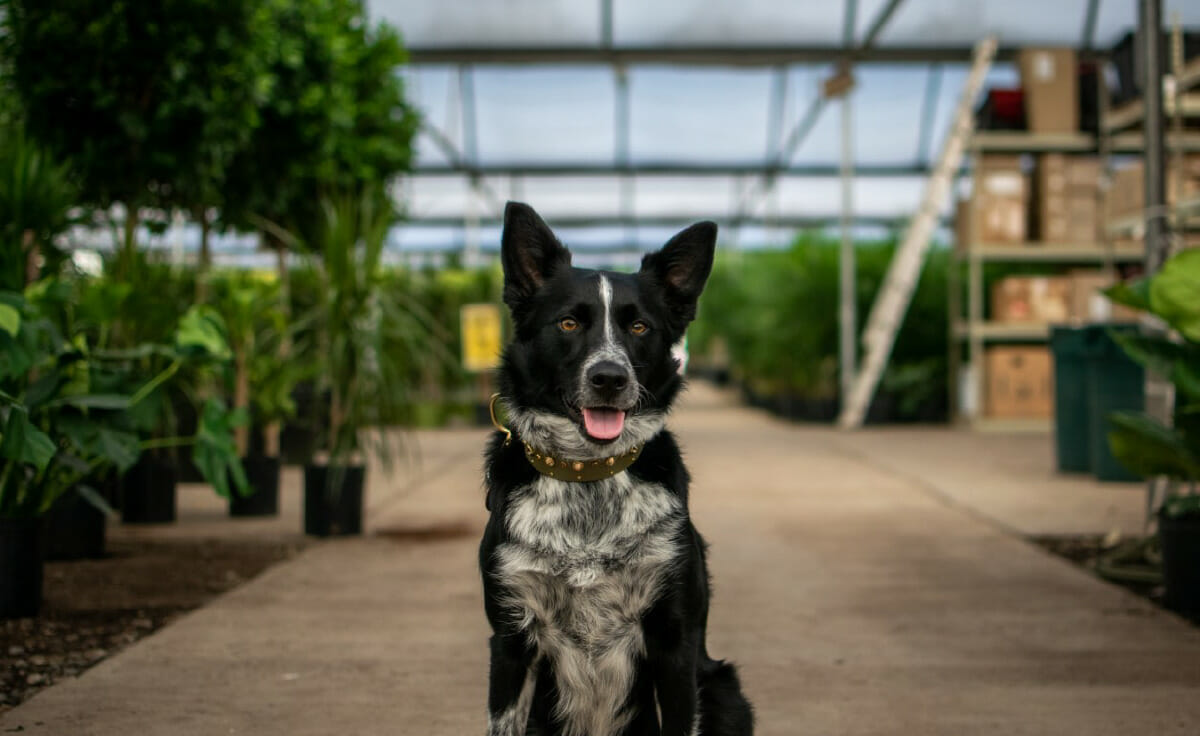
866,584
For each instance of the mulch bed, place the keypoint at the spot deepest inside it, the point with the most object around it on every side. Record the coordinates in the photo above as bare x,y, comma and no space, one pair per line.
94,608
1087,550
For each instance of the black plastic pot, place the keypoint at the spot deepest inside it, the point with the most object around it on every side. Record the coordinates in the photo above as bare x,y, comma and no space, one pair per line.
21,553
1181,563
333,499
263,476
74,529
148,492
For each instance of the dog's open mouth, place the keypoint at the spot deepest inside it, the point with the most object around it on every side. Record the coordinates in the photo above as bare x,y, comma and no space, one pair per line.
603,422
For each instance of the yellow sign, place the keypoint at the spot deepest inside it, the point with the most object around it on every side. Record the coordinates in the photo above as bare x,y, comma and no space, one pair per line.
480,336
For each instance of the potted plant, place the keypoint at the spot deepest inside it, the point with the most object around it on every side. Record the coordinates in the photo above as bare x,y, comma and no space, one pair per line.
261,383
183,350
1151,448
358,326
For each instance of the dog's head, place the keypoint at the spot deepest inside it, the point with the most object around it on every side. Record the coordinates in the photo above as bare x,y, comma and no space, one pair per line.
590,371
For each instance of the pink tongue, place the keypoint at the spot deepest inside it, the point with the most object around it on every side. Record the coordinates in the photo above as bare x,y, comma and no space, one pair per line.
604,424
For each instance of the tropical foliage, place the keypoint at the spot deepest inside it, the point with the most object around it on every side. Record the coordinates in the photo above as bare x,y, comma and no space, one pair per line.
1142,443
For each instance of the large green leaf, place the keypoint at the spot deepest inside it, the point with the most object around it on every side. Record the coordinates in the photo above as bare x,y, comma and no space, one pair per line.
1148,448
1135,294
202,332
1180,362
25,443
10,319
95,498
1152,351
1175,293
215,452
95,440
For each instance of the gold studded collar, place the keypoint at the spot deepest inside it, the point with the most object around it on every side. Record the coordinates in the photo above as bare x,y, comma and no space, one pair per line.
576,471
581,471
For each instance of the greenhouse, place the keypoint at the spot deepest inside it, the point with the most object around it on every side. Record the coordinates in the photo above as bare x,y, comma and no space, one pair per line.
599,367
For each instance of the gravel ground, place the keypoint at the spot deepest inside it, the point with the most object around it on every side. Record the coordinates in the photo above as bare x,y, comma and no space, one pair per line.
1087,550
94,608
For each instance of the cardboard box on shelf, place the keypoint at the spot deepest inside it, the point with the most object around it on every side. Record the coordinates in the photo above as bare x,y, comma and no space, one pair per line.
1127,193
1031,299
1000,200
1050,78
1019,382
1089,305
1066,206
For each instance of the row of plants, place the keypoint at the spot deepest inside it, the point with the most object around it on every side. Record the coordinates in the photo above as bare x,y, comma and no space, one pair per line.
282,117
766,321
1168,447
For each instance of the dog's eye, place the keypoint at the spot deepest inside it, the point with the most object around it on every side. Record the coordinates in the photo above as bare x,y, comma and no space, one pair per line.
639,327
568,324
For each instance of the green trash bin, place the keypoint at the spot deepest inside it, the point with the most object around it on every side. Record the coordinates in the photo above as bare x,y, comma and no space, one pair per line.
1114,383
1072,440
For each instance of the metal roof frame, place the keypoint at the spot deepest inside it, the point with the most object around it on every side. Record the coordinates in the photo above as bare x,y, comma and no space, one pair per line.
782,140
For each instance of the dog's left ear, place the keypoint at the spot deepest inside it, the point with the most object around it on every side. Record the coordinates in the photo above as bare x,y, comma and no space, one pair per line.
529,253
683,265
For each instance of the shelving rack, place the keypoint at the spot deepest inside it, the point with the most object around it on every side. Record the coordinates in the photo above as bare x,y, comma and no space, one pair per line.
1184,104
972,328
1119,134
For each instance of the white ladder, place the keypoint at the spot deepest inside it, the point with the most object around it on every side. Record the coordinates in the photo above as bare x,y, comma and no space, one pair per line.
887,314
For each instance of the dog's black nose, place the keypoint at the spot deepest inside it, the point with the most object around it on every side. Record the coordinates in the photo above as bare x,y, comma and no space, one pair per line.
608,377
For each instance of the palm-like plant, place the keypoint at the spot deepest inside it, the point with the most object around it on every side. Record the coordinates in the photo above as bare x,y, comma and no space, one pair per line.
360,324
36,196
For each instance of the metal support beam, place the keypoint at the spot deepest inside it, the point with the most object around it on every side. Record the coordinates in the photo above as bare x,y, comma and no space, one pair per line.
470,134
1159,393
849,19
809,121
621,147
669,220
606,24
933,88
776,111
877,26
847,273
1150,18
460,166
727,55
1088,36
457,167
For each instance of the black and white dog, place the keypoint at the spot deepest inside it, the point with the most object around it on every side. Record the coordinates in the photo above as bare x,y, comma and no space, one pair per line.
594,578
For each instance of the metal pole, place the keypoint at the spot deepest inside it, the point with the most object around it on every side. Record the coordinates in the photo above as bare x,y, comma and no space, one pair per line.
1159,397
847,317
1150,30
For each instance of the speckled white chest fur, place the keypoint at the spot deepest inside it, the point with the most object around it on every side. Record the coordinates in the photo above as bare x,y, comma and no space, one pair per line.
583,565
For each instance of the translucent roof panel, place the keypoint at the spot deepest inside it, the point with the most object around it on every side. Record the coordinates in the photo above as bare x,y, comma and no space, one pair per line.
698,114
484,22
641,23
571,195
1116,18
963,22
544,114
698,197
701,135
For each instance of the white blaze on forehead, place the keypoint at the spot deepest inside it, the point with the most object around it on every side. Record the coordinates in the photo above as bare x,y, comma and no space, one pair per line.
606,305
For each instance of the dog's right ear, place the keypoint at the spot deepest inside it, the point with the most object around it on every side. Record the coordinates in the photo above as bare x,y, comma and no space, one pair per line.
529,253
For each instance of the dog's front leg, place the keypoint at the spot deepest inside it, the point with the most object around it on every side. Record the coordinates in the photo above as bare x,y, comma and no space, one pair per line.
510,686
673,667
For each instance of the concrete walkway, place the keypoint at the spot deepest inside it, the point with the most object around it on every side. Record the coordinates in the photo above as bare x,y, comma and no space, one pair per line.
866,584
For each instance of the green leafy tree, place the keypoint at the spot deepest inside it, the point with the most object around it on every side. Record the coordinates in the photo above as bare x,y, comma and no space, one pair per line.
335,121
147,101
